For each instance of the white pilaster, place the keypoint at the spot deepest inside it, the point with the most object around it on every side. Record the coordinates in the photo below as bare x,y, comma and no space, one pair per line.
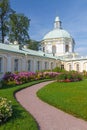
34,65
81,66
23,64
9,63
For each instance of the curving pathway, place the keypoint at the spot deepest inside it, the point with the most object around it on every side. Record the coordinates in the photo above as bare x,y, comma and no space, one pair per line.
48,117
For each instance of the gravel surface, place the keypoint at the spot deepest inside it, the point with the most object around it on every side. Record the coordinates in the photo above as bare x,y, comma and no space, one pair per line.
47,116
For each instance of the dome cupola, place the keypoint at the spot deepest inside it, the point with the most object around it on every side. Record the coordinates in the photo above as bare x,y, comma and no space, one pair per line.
58,41
57,23
57,32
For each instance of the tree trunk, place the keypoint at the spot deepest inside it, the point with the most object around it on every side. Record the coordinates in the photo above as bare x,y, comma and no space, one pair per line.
2,30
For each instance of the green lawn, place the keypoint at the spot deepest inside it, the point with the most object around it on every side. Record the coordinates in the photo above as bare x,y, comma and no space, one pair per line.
69,97
21,119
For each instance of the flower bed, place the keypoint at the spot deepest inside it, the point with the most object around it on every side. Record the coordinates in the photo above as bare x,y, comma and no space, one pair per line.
69,77
12,79
5,109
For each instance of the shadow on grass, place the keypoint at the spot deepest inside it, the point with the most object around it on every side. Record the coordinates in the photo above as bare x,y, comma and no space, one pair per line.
17,114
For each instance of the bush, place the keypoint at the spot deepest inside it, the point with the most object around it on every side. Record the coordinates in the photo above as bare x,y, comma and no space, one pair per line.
69,77
58,69
39,75
50,75
84,73
12,79
8,79
5,109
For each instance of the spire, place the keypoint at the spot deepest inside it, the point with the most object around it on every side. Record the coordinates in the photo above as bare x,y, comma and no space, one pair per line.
57,23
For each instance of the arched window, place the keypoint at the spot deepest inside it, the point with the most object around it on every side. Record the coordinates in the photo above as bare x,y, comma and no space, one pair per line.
29,65
53,50
51,65
77,67
38,65
86,66
67,48
43,49
0,64
46,67
70,67
16,64
62,67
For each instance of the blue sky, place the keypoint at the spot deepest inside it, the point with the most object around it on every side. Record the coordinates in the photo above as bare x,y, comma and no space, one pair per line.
72,13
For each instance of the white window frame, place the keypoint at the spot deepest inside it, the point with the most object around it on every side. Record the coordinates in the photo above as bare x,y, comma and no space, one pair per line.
16,64
1,62
77,67
66,48
51,65
46,65
38,65
29,65
70,67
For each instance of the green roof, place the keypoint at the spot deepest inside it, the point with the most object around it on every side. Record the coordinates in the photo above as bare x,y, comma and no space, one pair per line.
13,48
57,33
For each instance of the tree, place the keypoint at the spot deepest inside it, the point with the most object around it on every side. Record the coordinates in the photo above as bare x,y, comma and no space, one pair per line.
32,44
19,25
5,11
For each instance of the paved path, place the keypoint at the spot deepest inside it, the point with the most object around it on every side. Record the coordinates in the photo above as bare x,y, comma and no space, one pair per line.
48,117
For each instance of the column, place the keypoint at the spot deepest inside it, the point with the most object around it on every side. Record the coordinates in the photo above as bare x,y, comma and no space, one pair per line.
9,63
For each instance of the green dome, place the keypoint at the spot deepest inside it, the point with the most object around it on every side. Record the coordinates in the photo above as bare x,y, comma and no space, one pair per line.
57,33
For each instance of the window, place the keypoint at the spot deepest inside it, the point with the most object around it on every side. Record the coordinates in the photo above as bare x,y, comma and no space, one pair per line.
38,65
51,65
70,67
45,65
86,66
43,49
77,67
29,65
62,67
53,50
67,48
16,65
0,64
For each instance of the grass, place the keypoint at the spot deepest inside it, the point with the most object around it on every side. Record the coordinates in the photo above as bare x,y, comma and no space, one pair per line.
69,97
21,119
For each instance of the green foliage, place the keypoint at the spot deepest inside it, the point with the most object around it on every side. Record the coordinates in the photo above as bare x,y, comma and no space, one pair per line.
71,97
19,25
69,77
11,79
58,69
32,44
5,11
84,73
5,109
13,25
21,119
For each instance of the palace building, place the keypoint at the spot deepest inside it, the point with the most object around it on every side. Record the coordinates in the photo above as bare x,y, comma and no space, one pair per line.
57,50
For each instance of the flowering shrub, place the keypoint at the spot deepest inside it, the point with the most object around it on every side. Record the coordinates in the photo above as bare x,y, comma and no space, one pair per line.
12,79
69,77
50,74
84,73
5,109
24,77
46,75
39,75
8,79
58,69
